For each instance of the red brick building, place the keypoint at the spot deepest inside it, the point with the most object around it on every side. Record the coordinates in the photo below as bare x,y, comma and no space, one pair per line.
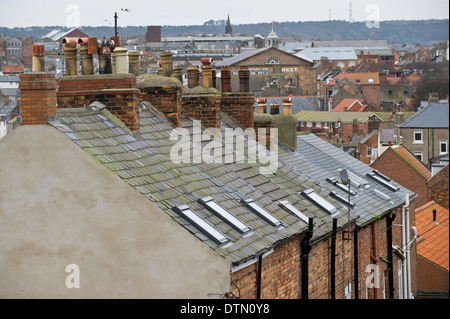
403,167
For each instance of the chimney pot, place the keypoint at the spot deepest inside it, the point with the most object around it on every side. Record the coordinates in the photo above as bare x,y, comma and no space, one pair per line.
133,60
87,62
38,59
206,72
244,78
70,57
167,64
120,54
192,76
226,78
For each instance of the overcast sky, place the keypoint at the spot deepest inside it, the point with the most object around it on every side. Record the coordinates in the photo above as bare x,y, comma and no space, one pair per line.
23,13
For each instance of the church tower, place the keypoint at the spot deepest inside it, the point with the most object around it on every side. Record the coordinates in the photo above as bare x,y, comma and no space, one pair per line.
228,29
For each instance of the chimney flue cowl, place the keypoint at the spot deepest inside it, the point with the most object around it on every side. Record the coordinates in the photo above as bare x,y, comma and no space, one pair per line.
434,217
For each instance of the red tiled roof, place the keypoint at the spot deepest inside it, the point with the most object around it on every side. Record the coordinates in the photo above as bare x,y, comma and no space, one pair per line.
399,80
412,161
7,69
358,78
349,105
433,241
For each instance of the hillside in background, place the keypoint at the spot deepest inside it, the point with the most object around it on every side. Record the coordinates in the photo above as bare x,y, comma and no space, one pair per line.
414,31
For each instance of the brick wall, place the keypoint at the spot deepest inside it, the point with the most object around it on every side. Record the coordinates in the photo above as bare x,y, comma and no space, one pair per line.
371,93
117,91
393,166
38,97
363,147
431,276
239,106
438,187
349,130
281,270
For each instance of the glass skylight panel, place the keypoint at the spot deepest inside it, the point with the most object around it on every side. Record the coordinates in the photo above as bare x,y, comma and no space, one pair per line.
291,209
382,181
319,201
210,231
381,194
339,185
342,199
220,212
261,212
387,179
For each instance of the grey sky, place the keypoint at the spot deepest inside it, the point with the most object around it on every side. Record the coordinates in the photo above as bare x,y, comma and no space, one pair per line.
23,13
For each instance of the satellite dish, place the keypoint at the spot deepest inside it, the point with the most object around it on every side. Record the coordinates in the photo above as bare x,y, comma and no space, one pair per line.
344,177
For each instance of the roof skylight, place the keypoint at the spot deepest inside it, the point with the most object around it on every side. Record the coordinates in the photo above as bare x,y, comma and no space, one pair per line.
341,186
341,199
291,209
220,212
261,212
382,180
319,201
210,231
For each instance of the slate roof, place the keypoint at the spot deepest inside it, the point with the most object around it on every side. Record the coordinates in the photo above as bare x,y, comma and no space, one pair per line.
240,57
433,241
436,115
345,117
321,160
143,161
333,53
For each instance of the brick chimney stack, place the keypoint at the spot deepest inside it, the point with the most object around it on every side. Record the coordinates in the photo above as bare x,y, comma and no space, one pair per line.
38,51
38,97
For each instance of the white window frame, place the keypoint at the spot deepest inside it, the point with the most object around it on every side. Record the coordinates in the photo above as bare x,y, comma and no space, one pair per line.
419,155
443,142
417,131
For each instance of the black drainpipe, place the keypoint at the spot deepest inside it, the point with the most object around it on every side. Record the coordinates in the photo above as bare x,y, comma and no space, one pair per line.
305,249
390,262
333,260
355,261
258,278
